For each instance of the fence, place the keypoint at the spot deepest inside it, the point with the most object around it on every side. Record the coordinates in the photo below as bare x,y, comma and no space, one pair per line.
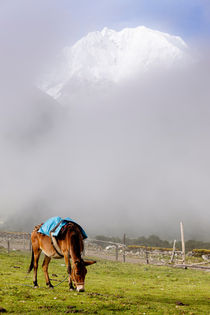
109,250
93,247
133,254
15,241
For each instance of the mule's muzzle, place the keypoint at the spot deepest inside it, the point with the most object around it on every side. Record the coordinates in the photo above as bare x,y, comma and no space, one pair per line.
80,288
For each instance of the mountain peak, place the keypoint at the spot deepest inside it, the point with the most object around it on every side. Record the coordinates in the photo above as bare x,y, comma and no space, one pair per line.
106,31
113,56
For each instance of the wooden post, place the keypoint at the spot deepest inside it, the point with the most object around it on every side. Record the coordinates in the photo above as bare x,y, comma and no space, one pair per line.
173,252
124,248
116,252
183,244
147,256
8,246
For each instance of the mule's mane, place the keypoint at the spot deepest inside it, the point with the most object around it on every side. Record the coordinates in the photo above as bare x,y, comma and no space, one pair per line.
76,239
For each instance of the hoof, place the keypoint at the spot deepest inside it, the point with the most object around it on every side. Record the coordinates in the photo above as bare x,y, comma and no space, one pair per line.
50,286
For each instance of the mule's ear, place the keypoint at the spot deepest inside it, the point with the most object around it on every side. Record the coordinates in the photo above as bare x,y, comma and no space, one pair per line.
89,262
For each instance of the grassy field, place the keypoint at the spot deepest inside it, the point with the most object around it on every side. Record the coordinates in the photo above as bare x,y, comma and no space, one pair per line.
111,288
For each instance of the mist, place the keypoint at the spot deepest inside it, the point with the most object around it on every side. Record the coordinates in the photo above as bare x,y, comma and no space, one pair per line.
130,157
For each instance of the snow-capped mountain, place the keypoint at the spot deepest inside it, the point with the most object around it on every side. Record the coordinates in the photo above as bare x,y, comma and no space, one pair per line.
111,56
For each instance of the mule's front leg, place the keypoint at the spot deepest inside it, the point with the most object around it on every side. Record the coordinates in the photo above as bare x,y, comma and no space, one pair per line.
45,264
71,287
36,261
68,265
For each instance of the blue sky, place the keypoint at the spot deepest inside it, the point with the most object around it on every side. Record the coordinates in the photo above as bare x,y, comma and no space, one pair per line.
187,18
63,20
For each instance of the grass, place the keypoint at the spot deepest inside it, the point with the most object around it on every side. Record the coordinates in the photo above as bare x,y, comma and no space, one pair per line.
111,288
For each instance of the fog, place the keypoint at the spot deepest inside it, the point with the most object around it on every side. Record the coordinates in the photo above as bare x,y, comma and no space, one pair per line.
130,157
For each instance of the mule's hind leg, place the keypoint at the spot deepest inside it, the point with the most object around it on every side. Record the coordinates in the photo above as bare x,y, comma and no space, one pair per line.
68,265
36,260
45,265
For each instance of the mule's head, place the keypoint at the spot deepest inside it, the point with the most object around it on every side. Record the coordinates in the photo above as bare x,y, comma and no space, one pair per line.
78,273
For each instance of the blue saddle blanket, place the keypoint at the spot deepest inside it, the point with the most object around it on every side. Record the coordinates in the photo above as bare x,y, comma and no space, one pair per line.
51,223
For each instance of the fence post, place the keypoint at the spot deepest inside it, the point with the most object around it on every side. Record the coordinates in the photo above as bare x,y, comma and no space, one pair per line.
147,256
116,252
173,252
183,244
124,248
8,246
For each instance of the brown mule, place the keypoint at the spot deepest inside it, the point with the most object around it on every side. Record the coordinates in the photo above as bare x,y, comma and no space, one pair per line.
70,246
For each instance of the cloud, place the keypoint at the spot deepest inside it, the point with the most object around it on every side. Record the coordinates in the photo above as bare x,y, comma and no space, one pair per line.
31,35
131,157
127,158
140,153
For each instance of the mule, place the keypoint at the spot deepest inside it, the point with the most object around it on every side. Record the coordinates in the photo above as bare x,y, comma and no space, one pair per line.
70,246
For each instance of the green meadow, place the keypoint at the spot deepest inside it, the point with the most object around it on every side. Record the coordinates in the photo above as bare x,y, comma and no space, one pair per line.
111,288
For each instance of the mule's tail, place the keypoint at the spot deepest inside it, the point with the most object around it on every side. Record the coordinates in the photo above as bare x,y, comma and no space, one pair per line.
32,262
